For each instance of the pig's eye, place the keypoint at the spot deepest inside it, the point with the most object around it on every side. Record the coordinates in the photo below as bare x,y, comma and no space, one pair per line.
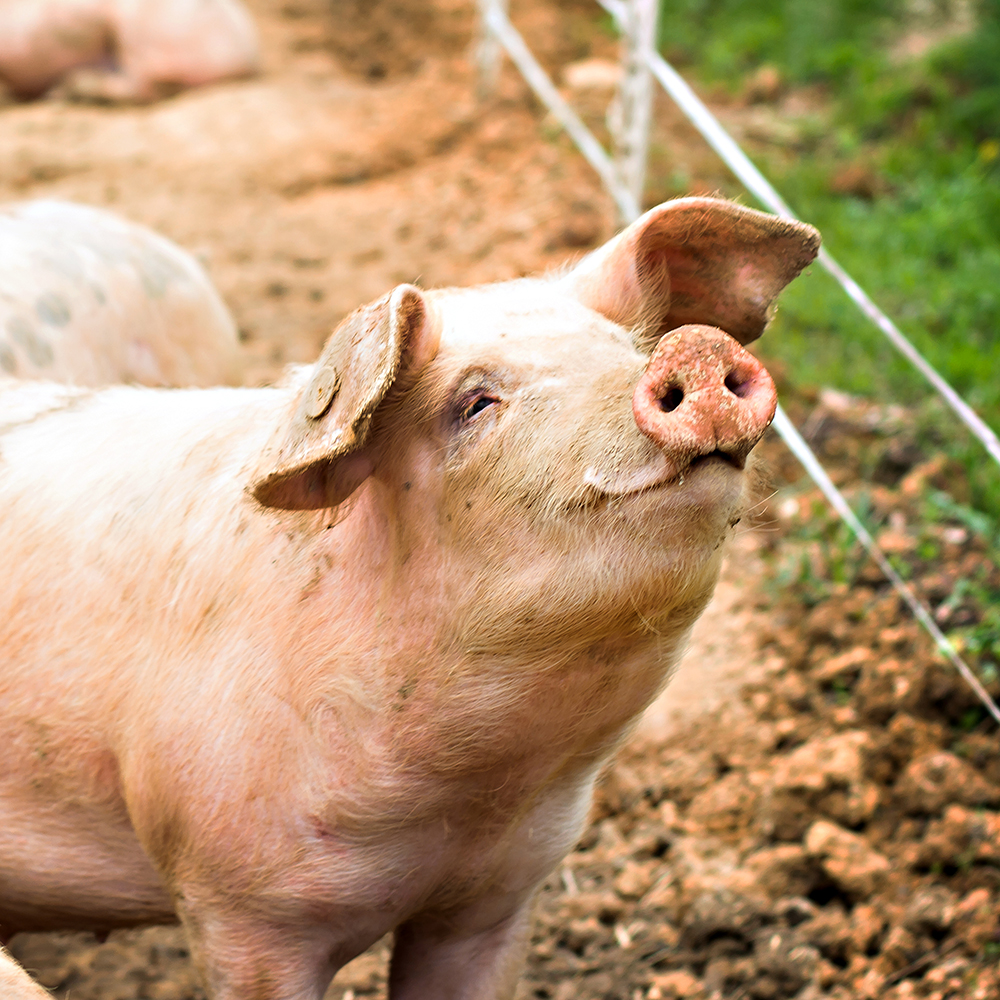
475,404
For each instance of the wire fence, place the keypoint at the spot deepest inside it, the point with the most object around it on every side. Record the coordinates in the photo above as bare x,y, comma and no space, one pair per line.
623,175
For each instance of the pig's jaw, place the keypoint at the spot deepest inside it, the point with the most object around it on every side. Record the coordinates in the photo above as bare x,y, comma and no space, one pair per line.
620,484
659,472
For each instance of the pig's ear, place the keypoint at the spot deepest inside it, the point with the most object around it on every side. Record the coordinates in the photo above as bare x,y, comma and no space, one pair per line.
695,260
324,455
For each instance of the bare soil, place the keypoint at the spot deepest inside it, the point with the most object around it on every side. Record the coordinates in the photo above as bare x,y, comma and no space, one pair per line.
802,814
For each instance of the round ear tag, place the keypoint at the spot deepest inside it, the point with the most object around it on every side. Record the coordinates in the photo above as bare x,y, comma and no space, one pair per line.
321,392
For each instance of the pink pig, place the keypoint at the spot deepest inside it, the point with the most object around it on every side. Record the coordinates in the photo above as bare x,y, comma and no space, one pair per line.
89,298
306,664
123,50
16,984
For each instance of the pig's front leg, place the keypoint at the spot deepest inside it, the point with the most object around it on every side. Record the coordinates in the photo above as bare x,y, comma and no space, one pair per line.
450,961
16,984
242,955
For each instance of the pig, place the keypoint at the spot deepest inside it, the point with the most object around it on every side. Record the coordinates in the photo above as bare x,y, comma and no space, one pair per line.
123,50
16,984
305,664
89,298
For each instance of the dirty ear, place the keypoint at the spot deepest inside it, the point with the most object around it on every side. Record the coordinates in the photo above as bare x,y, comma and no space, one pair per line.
324,453
695,260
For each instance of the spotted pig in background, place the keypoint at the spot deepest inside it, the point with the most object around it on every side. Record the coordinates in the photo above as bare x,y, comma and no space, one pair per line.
88,298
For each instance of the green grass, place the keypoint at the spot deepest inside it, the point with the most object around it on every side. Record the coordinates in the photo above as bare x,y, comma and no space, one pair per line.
926,247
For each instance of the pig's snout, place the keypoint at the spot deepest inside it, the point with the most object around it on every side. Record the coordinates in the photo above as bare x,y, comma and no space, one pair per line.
703,394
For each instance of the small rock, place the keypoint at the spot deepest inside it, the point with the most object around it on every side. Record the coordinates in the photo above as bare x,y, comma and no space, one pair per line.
636,878
831,931
870,986
670,985
723,913
812,991
977,921
910,737
847,858
577,934
844,666
823,763
961,834
604,905
940,974
783,955
886,686
932,909
852,806
725,805
669,815
936,780
974,903
900,947
784,870
867,924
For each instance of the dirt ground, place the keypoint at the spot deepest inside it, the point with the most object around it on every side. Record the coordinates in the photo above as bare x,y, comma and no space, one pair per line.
820,833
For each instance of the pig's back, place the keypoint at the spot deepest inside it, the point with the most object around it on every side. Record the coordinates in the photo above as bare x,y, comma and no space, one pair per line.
122,521
127,507
122,456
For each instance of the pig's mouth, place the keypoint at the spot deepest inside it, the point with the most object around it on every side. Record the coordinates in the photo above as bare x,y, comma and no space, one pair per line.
662,472
738,462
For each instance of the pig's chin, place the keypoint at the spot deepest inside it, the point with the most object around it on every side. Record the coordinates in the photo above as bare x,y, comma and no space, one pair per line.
661,471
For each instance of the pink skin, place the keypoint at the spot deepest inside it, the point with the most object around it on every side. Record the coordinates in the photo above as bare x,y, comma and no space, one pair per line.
123,50
89,298
297,726
16,984
702,394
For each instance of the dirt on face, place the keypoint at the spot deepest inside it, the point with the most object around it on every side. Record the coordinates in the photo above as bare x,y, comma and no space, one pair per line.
831,830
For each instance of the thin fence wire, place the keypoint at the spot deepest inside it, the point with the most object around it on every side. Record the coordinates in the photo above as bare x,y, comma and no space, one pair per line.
510,38
497,22
797,445
755,182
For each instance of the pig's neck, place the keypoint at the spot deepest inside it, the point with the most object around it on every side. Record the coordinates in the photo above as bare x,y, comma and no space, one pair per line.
400,700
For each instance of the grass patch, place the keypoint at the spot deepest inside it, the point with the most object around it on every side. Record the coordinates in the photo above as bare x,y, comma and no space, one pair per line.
901,173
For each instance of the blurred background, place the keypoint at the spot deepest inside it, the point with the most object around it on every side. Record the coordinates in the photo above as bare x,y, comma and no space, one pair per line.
812,813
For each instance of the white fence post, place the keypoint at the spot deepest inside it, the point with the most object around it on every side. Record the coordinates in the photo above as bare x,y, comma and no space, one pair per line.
489,51
630,117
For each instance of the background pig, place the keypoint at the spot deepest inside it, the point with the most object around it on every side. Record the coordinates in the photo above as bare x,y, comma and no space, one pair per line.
87,297
306,664
123,50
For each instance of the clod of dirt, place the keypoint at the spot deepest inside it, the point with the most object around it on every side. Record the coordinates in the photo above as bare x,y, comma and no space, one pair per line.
934,780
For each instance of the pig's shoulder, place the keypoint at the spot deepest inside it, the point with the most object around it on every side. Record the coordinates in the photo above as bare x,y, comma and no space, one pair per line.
25,402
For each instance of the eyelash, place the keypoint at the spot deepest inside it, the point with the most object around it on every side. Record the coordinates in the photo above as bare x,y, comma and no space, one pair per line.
475,405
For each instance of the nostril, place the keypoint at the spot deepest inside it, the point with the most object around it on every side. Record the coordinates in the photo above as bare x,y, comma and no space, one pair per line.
671,399
739,383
